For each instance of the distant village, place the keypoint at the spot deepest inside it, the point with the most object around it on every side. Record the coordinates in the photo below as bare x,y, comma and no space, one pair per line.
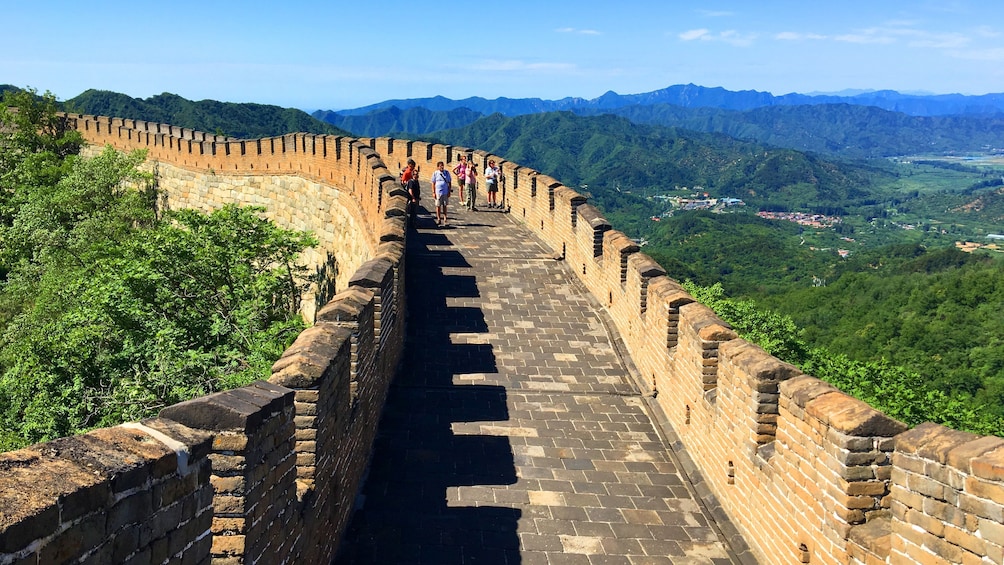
696,201
702,201
802,218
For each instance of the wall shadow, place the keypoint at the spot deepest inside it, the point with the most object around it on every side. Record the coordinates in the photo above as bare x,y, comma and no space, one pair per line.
410,510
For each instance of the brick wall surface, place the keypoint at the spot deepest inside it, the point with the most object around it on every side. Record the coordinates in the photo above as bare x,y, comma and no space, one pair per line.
804,472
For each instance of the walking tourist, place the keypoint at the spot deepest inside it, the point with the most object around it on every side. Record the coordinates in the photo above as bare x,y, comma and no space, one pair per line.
492,183
409,181
460,171
471,183
441,187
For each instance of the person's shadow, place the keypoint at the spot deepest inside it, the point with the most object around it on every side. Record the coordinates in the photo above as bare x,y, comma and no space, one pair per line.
411,510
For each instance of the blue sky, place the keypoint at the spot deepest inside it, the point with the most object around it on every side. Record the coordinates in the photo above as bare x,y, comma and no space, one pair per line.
335,54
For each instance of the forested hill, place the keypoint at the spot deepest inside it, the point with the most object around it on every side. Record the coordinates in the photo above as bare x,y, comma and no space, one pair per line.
835,129
242,121
611,154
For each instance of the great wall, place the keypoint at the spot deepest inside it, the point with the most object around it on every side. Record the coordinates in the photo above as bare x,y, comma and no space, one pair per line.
268,473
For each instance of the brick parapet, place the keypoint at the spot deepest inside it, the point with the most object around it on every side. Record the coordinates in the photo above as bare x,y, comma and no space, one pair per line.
253,466
947,496
138,492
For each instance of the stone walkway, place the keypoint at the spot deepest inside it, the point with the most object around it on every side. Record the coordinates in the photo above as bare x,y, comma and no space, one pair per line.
514,433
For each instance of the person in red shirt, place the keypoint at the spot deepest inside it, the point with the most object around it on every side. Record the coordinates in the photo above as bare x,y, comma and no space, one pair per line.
410,181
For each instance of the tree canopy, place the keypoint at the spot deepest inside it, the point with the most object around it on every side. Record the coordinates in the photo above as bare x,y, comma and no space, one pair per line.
111,309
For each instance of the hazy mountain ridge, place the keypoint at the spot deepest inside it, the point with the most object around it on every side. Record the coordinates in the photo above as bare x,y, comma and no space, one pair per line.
393,120
694,96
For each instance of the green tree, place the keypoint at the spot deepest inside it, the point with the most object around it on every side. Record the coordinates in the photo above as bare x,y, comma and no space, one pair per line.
34,142
110,311
897,391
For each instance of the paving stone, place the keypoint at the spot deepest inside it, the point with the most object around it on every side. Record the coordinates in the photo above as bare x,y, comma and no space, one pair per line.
516,433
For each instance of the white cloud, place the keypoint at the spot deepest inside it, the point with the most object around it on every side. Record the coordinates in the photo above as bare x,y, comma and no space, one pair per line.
993,54
941,41
901,23
868,37
798,36
578,31
730,36
738,39
715,14
987,31
694,34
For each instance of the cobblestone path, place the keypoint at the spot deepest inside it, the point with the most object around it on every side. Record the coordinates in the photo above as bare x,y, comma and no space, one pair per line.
514,432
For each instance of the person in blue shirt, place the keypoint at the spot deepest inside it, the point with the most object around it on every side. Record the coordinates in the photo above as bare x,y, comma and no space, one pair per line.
441,182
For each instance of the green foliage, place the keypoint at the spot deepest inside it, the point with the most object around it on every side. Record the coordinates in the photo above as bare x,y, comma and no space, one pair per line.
903,393
154,317
897,391
88,204
109,311
936,313
612,155
746,253
775,333
851,131
30,124
33,143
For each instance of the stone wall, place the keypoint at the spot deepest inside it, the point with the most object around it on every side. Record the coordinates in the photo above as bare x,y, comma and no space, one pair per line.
129,494
804,472
326,184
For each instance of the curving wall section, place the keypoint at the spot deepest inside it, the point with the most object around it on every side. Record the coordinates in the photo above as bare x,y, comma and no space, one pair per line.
268,473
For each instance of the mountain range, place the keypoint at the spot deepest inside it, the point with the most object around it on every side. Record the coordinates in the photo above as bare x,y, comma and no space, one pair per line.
694,96
865,125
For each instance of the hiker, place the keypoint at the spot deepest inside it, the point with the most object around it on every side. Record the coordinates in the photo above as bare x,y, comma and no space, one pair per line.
471,182
441,188
460,171
409,181
492,183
